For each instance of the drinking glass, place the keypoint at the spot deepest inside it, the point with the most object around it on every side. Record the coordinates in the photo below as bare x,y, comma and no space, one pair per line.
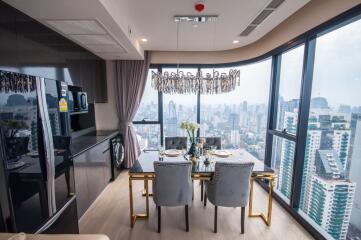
161,153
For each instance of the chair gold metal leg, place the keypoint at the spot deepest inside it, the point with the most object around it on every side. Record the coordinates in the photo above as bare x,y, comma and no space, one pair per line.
270,192
149,194
135,216
146,196
267,219
132,216
250,208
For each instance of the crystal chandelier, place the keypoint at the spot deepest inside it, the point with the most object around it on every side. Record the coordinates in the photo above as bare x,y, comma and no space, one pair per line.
187,83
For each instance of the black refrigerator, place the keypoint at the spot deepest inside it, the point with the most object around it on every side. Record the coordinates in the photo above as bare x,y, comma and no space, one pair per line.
36,168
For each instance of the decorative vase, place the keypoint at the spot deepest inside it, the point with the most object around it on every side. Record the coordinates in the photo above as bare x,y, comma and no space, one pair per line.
194,160
193,150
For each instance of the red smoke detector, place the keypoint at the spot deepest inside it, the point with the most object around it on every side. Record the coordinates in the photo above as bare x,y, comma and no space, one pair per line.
199,6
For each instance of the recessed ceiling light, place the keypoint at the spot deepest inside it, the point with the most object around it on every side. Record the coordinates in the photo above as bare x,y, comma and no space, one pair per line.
144,40
235,41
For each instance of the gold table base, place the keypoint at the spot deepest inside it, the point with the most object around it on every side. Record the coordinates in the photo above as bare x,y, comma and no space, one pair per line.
270,178
206,177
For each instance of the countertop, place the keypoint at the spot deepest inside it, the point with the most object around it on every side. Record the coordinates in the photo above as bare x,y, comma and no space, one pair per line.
83,143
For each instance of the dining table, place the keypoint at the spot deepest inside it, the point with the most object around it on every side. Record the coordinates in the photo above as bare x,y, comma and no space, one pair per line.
143,170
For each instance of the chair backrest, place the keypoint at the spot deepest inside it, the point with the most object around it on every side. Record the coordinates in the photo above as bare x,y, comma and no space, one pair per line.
231,182
175,143
172,185
213,141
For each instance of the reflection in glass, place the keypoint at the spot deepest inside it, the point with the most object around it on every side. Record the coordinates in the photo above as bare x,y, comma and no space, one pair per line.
19,127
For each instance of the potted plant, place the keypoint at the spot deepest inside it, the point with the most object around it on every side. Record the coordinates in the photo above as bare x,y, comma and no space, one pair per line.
191,128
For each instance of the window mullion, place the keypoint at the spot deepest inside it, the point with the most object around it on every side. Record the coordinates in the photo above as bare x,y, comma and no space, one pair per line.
198,108
160,112
304,107
273,99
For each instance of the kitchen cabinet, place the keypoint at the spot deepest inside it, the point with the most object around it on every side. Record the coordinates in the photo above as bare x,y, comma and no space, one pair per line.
92,79
107,166
81,184
29,47
92,174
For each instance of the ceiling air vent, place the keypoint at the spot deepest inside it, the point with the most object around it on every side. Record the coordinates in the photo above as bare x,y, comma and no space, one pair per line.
275,4
248,30
268,10
261,17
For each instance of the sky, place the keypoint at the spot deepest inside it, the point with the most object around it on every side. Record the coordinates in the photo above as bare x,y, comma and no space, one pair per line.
337,73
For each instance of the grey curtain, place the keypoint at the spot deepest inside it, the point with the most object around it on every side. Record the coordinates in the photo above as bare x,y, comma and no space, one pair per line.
131,76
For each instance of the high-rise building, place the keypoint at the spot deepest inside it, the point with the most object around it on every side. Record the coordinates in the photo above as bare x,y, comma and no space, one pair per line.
283,108
233,121
325,132
331,195
354,167
287,156
325,184
172,120
319,102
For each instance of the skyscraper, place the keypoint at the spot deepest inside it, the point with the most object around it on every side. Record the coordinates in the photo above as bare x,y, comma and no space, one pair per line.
325,185
319,102
331,195
233,121
172,120
287,156
354,167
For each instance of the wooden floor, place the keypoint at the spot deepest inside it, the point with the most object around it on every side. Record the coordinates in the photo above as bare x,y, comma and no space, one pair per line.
110,215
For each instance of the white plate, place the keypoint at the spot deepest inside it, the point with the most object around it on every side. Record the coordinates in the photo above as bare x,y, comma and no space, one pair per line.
222,153
172,152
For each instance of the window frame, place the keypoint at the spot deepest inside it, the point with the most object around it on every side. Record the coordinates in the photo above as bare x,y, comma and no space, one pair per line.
309,40
160,111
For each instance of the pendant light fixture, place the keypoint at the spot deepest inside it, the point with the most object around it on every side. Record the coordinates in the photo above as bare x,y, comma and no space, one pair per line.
180,82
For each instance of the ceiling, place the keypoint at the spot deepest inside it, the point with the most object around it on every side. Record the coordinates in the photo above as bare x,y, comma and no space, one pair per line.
113,29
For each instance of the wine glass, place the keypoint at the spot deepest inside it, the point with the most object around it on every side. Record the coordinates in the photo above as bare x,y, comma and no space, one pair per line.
213,149
161,153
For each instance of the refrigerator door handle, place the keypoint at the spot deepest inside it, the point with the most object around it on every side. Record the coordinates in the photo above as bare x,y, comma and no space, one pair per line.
55,217
48,145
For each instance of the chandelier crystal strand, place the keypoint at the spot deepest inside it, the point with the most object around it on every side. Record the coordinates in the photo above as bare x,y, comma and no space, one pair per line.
187,83
181,82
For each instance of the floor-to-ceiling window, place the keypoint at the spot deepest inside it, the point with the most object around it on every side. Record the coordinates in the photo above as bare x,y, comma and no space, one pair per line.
178,108
289,81
331,183
239,117
312,136
146,121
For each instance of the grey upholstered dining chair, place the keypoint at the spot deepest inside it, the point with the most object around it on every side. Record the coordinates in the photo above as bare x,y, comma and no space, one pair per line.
210,141
175,143
213,141
172,186
229,187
